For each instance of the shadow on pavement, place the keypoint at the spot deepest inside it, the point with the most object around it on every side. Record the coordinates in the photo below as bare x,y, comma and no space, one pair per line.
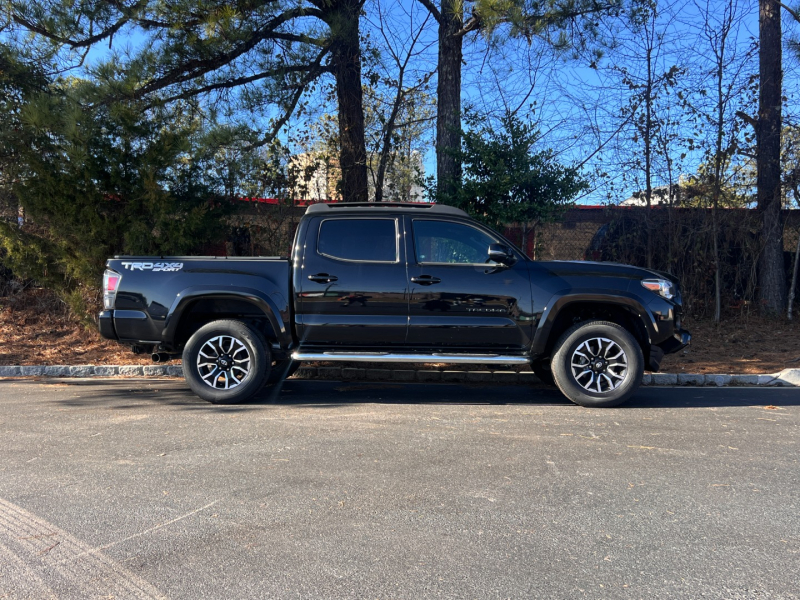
136,393
711,397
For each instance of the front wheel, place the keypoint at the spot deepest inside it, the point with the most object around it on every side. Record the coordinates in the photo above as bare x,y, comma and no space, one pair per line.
598,364
225,362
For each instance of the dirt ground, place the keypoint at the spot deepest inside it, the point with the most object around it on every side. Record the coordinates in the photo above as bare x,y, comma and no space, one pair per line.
36,329
742,344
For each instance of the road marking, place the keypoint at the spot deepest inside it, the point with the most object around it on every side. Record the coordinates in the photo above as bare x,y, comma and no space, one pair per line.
39,560
156,527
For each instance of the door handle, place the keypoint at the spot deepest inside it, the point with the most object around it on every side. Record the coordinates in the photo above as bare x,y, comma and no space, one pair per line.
426,280
323,278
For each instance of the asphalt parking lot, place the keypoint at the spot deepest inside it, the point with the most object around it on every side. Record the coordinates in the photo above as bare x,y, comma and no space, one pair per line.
137,489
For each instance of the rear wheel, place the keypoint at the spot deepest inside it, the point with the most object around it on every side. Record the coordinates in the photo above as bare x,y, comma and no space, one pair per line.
598,364
225,362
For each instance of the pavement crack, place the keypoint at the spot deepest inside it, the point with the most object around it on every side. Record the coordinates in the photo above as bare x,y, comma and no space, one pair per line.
146,531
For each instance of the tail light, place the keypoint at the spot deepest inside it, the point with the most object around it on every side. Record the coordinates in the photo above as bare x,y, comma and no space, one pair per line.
111,281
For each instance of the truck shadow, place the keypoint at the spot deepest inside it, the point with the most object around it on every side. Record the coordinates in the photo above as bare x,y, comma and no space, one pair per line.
336,393
297,393
122,394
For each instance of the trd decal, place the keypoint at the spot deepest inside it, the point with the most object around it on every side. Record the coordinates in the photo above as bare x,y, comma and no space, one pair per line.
152,266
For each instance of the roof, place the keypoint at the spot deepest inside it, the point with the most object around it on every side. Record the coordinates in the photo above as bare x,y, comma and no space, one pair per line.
426,208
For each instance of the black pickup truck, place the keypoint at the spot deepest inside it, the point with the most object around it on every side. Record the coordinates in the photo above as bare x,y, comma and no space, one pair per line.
395,283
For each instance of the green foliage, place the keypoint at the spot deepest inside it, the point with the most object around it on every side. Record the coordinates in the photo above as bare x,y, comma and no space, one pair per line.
31,256
561,23
109,178
506,180
115,179
19,81
735,190
248,59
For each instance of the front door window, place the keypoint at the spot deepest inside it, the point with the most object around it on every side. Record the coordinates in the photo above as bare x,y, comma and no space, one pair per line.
440,242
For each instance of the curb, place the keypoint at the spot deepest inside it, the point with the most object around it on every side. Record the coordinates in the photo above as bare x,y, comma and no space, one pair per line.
785,378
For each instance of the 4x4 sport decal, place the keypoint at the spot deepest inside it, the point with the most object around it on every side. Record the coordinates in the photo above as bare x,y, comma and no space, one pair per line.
153,266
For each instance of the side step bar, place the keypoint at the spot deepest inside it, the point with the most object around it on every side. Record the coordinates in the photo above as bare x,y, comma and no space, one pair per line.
455,359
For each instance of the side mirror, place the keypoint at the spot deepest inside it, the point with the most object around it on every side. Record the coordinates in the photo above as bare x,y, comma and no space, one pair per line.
501,254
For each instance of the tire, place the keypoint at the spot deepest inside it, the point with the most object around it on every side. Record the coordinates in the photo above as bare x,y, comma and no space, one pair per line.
232,350
596,343
282,369
541,369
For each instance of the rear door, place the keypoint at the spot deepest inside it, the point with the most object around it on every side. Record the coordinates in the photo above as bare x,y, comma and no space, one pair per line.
354,285
459,299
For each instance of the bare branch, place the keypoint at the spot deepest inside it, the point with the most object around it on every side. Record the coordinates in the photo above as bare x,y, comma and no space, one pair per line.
432,9
538,21
316,71
85,43
193,69
795,14
232,83
747,119
302,39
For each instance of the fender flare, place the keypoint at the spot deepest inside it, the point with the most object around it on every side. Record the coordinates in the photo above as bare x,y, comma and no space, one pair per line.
564,298
264,302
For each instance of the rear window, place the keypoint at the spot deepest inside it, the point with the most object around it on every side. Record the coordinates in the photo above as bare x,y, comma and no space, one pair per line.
363,240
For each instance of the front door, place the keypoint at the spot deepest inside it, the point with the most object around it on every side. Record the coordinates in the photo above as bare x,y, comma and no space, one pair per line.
354,289
459,300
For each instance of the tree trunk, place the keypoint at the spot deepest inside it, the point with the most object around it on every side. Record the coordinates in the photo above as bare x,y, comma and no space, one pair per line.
343,19
448,97
717,268
524,239
648,153
772,278
793,285
718,150
388,134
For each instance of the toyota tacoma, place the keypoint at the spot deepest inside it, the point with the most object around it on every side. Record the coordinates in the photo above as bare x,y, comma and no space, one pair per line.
395,283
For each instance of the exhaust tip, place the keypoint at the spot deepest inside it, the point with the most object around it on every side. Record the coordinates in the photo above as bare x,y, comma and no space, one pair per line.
160,357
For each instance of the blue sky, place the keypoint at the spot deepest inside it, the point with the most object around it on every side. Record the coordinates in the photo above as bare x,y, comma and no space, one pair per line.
576,108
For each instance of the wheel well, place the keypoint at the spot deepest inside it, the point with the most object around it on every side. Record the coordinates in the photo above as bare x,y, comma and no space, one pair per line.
205,310
577,312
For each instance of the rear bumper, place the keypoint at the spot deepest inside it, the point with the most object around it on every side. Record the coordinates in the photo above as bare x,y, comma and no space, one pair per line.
125,325
105,322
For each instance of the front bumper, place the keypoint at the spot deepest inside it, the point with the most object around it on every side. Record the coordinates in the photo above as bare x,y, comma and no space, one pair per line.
679,340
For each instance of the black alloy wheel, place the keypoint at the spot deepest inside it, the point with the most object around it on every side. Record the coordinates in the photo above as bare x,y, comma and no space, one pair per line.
226,362
598,364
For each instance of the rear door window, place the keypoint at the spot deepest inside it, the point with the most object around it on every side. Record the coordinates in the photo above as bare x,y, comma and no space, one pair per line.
359,240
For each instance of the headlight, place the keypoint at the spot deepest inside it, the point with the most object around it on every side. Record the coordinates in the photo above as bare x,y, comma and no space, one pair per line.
662,287
111,281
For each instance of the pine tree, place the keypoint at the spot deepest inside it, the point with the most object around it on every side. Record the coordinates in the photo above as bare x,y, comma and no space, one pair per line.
507,180
258,58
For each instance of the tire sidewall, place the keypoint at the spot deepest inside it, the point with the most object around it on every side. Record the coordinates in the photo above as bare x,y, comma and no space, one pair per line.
562,371
259,357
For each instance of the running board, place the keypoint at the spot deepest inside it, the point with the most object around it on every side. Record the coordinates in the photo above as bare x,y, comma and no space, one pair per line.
455,359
